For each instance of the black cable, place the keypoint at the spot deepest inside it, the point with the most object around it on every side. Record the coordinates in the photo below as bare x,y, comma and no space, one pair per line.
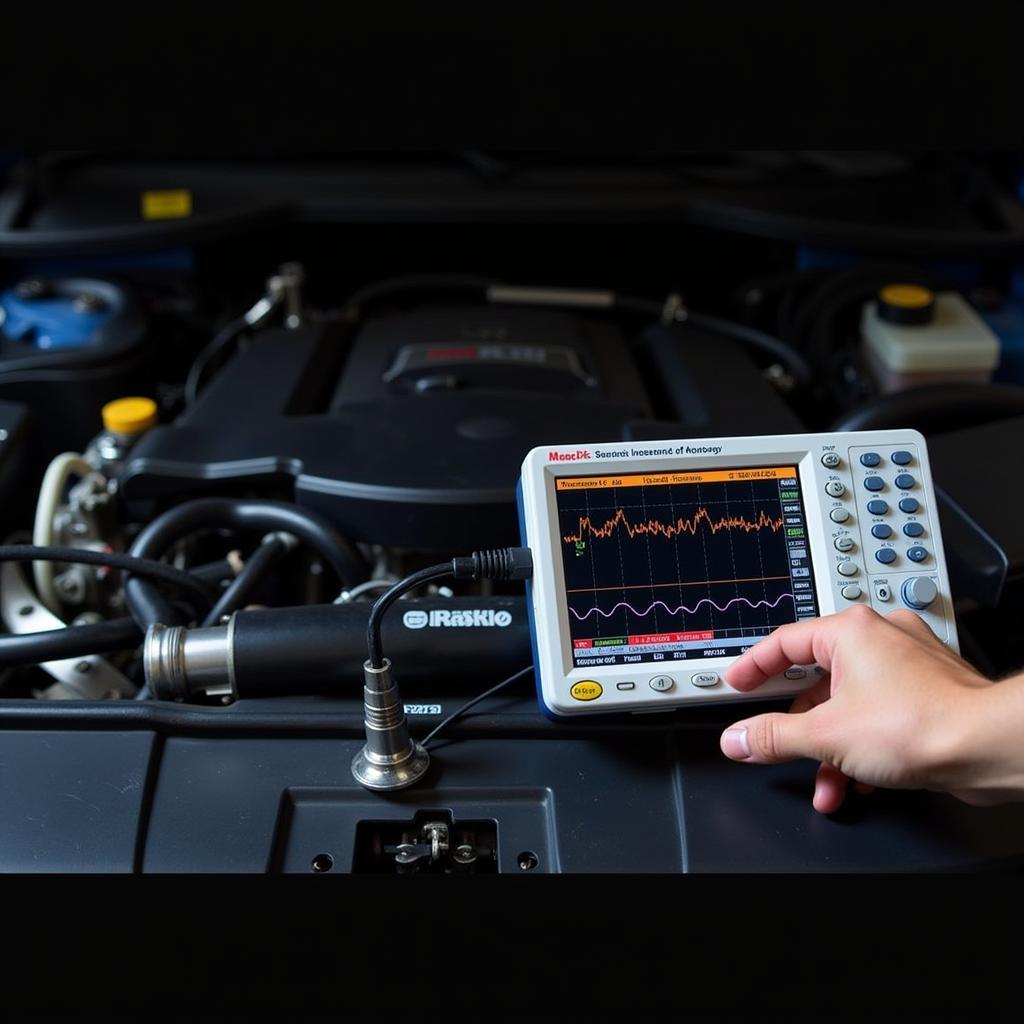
389,597
933,408
148,606
68,642
472,703
494,564
416,282
144,569
252,574
224,337
751,336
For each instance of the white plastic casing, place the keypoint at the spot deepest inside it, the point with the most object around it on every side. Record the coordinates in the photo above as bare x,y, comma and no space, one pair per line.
955,345
881,585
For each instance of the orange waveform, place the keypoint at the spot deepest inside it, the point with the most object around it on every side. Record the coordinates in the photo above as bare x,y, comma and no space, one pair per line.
681,525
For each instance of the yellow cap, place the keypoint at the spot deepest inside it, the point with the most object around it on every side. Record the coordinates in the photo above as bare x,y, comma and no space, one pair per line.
129,415
907,296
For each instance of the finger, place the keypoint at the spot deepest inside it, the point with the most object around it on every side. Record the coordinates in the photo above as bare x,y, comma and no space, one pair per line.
817,694
829,789
772,738
798,643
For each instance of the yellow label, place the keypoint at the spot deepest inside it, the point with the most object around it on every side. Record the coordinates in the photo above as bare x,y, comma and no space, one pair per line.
587,689
167,204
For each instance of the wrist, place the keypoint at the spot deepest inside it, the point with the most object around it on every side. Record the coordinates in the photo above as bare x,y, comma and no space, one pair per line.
982,760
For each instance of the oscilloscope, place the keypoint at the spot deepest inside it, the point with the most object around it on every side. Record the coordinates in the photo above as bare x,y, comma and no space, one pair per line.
657,563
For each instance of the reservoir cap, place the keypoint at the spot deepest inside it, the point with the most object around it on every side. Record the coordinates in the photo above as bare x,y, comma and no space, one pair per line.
906,304
129,415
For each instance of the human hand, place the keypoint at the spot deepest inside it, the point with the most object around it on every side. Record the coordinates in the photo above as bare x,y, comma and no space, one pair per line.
896,709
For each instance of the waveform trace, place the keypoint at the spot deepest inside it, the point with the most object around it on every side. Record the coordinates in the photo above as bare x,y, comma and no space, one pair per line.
679,526
754,605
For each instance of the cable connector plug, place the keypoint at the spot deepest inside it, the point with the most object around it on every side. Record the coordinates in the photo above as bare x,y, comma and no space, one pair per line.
495,564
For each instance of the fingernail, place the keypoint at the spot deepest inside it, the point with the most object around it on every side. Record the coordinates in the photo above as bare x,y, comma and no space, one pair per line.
735,745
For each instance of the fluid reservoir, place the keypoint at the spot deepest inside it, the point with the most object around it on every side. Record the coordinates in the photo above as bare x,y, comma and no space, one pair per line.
913,336
125,420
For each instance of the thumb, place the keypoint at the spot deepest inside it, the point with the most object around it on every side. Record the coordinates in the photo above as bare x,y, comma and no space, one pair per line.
771,739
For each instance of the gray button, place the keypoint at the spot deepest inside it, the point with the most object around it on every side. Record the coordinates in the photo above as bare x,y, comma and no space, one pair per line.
919,592
902,458
844,543
835,488
662,683
839,515
847,568
870,459
909,505
796,672
905,482
886,555
851,591
705,679
830,460
873,483
625,686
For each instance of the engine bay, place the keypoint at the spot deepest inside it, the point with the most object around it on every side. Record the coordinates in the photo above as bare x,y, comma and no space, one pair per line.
227,452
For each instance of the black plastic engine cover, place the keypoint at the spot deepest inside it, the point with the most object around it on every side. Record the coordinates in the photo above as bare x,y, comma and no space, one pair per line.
412,436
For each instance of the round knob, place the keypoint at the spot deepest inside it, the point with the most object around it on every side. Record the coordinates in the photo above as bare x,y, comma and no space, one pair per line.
919,592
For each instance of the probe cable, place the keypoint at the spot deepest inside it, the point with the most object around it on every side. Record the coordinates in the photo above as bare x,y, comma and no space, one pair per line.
472,703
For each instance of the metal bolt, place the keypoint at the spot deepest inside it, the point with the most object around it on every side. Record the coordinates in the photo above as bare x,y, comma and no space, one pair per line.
26,609
83,667
33,288
87,303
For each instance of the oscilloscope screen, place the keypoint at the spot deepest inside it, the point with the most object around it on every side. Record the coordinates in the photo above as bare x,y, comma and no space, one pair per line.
682,565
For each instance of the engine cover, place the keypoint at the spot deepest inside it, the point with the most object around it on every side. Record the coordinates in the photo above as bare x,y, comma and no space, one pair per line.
412,435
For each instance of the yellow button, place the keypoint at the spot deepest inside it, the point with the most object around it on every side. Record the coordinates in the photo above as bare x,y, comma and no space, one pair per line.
587,689
907,296
129,415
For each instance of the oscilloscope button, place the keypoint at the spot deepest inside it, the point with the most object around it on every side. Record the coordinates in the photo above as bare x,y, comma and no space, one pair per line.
844,544
881,531
902,458
886,555
847,568
905,482
662,683
830,460
913,529
851,591
839,515
918,592
873,483
878,506
835,488
705,679
917,553
870,459
796,672
586,689
909,505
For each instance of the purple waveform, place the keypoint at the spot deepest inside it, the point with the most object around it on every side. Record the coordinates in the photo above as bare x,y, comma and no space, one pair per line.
681,608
